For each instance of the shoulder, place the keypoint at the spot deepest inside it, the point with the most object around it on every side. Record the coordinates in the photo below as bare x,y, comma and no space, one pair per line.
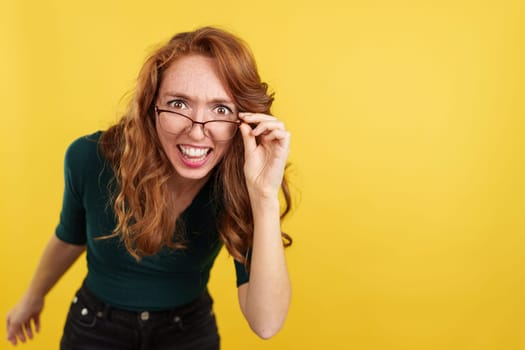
84,144
83,147
83,153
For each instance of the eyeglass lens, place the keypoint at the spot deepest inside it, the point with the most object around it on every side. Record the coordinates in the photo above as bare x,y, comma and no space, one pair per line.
175,123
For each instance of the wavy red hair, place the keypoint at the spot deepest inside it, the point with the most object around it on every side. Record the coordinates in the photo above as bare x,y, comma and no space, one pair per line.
142,170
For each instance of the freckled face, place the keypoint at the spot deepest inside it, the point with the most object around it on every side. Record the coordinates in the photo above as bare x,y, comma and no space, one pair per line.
191,86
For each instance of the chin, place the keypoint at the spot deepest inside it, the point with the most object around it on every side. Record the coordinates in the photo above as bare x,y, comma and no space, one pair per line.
192,171
192,174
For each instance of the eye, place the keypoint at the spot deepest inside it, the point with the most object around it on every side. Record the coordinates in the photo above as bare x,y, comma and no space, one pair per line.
223,110
177,104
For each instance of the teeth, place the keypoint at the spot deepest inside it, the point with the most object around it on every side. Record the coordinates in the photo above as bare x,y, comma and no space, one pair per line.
194,152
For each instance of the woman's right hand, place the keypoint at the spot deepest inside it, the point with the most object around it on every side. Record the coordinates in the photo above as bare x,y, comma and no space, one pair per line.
20,317
58,256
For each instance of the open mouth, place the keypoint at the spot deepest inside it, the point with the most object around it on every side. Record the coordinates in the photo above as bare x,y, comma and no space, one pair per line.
194,154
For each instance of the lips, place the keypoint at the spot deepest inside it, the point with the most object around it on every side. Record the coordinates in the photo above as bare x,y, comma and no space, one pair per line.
194,156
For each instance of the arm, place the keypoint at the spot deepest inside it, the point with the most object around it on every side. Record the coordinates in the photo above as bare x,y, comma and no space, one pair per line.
265,299
58,256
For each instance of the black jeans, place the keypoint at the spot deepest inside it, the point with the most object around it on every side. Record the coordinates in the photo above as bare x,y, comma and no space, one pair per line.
91,325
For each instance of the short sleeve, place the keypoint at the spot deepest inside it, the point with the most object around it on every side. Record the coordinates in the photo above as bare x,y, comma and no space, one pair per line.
72,225
241,272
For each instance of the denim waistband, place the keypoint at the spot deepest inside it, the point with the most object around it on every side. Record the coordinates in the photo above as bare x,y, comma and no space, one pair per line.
104,310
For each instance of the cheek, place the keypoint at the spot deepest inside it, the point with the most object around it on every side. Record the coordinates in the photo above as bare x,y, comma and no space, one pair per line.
221,150
164,141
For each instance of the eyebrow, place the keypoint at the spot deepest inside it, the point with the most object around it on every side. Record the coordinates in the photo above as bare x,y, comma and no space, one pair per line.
189,98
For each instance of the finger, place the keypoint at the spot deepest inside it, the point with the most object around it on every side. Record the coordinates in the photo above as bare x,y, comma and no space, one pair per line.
11,336
28,329
12,339
281,136
268,126
20,334
37,323
11,331
250,144
255,117
8,329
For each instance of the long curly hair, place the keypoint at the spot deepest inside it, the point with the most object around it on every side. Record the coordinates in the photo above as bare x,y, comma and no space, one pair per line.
141,201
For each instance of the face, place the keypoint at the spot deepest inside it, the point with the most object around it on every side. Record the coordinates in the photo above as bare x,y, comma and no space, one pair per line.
191,86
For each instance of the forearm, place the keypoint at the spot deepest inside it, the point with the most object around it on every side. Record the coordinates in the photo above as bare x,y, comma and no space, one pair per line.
56,259
268,293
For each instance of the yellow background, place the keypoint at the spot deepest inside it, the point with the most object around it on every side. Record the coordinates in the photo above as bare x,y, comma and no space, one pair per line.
407,121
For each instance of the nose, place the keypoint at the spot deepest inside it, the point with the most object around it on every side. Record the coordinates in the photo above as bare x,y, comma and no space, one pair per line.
197,131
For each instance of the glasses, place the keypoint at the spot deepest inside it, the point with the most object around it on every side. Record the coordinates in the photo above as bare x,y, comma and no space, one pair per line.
177,123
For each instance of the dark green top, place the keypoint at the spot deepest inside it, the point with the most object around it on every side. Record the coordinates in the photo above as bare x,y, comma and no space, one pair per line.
165,280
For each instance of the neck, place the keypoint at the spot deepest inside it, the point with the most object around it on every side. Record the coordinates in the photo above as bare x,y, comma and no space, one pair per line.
186,188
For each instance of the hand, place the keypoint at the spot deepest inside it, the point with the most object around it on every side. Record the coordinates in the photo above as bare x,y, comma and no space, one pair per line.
266,149
20,317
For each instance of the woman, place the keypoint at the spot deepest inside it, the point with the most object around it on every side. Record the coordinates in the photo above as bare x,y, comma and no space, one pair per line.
153,198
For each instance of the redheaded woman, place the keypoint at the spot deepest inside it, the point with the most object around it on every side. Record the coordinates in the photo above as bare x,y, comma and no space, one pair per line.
196,162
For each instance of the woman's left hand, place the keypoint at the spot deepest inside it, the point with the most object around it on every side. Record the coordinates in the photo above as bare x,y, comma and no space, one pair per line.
266,149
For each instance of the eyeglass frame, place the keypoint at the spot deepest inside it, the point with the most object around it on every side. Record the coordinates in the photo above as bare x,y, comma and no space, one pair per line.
193,122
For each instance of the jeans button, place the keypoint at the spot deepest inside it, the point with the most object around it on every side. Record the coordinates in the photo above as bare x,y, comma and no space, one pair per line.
84,312
144,316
